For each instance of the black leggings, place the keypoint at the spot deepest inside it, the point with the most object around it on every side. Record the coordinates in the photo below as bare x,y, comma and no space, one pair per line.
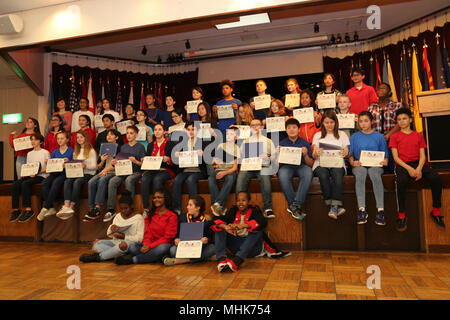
23,186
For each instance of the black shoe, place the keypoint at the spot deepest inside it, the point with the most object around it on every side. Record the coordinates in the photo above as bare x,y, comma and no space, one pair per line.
15,215
401,224
268,214
92,215
124,260
27,215
438,220
280,254
92,257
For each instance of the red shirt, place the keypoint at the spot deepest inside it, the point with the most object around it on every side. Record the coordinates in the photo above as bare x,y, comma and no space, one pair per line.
21,153
50,143
162,229
361,98
91,133
408,145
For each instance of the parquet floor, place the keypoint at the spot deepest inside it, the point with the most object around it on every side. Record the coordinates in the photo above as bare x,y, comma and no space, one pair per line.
38,271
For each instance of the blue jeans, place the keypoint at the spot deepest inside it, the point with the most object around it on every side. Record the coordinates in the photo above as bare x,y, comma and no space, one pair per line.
285,175
207,251
72,188
155,178
153,255
331,182
217,195
249,246
191,180
116,181
109,249
265,181
51,187
377,183
97,187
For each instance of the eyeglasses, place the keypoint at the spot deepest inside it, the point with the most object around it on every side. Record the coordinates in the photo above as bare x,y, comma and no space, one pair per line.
173,117
158,197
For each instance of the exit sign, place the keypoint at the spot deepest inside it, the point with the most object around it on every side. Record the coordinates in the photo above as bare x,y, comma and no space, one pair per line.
12,118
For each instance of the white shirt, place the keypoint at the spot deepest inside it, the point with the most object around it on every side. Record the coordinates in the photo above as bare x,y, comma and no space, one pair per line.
342,142
39,156
76,115
91,161
116,116
135,232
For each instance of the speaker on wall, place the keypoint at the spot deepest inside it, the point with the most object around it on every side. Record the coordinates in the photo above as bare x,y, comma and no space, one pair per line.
10,24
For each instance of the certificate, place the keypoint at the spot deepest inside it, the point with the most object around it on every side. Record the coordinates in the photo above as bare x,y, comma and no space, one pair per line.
98,122
74,170
225,112
176,127
122,126
120,230
262,102
371,158
292,100
304,115
29,169
189,249
326,101
151,163
54,165
290,155
188,159
251,164
110,149
346,121
203,132
331,159
142,134
22,143
192,106
275,124
244,131
123,168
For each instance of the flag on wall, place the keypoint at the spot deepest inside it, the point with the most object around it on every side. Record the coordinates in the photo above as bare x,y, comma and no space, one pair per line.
91,96
73,101
390,80
440,77
83,88
377,67
160,97
131,96
119,108
142,104
100,94
50,107
427,77
385,77
446,65
416,88
405,84
372,81
107,89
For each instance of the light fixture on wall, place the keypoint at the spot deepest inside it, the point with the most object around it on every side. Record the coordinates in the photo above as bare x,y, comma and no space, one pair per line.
316,28
187,44
144,51
355,36
332,39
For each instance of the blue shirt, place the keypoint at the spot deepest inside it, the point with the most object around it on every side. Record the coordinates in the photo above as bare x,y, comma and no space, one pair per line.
58,155
299,143
224,124
372,142
137,151
166,117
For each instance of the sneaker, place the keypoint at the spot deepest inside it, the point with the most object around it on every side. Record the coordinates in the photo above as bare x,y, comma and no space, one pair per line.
340,210
380,220
92,257
262,253
269,214
223,211
42,214
298,214
222,265
65,213
232,265
124,260
108,216
362,217
215,209
15,215
333,213
169,261
401,224
292,208
438,220
280,254
50,212
27,215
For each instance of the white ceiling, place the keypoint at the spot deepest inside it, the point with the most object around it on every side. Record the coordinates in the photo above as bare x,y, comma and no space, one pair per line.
292,28
11,6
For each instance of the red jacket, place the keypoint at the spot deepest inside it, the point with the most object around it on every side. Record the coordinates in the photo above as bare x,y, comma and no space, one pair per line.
91,133
162,229
21,153
50,143
308,130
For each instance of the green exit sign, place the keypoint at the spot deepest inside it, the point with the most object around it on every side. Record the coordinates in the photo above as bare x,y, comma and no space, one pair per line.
12,118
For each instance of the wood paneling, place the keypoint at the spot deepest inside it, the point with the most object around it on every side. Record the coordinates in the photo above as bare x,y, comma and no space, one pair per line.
435,235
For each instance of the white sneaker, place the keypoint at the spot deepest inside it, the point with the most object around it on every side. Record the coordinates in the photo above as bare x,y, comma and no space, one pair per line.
215,208
109,216
65,213
50,212
42,214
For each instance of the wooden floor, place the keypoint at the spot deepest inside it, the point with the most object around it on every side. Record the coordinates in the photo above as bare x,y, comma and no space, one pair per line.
38,271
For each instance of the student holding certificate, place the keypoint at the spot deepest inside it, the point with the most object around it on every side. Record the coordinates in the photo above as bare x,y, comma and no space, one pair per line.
160,147
286,172
56,125
126,230
261,88
160,230
104,110
84,122
108,124
178,119
195,213
52,185
331,172
328,81
145,131
197,95
227,87
361,94
98,185
31,128
130,115
204,116
343,110
85,153
23,185
368,140
84,109
276,109
244,115
308,130
292,87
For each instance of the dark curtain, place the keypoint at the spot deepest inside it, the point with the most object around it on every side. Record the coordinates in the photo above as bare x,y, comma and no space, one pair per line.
179,85
342,67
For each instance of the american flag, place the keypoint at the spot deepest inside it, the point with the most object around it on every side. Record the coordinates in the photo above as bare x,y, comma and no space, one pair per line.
73,101
119,107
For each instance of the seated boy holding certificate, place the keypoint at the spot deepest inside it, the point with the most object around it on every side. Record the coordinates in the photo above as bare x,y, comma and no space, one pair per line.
408,150
108,124
295,159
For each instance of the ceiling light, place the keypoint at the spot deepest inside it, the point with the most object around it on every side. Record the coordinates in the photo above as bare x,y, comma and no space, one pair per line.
246,21
144,51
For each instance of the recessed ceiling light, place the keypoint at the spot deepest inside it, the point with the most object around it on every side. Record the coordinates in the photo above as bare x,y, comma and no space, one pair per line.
246,21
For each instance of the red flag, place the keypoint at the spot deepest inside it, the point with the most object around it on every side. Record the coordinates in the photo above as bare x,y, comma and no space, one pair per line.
143,105
91,97
160,97
378,74
426,67
83,88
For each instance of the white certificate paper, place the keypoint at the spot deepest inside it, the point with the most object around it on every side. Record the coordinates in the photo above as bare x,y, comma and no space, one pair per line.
304,115
290,155
192,106
244,131
98,122
22,143
176,127
188,159
251,164
346,121
371,158
326,101
292,100
142,134
204,133
54,165
74,170
189,249
331,159
225,112
29,169
275,124
262,102
122,126
124,167
152,163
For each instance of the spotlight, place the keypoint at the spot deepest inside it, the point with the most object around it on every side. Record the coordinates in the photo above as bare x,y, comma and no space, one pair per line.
332,39
187,44
159,59
355,36
347,37
144,51
338,38
316,27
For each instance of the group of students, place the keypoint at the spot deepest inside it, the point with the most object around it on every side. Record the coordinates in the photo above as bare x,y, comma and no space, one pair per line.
381,125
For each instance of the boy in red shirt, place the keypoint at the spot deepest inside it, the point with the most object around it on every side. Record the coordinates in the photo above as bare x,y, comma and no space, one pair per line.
408,149
361,95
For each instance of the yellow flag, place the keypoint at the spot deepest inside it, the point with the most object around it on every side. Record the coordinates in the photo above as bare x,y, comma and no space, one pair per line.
391,81
416,88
